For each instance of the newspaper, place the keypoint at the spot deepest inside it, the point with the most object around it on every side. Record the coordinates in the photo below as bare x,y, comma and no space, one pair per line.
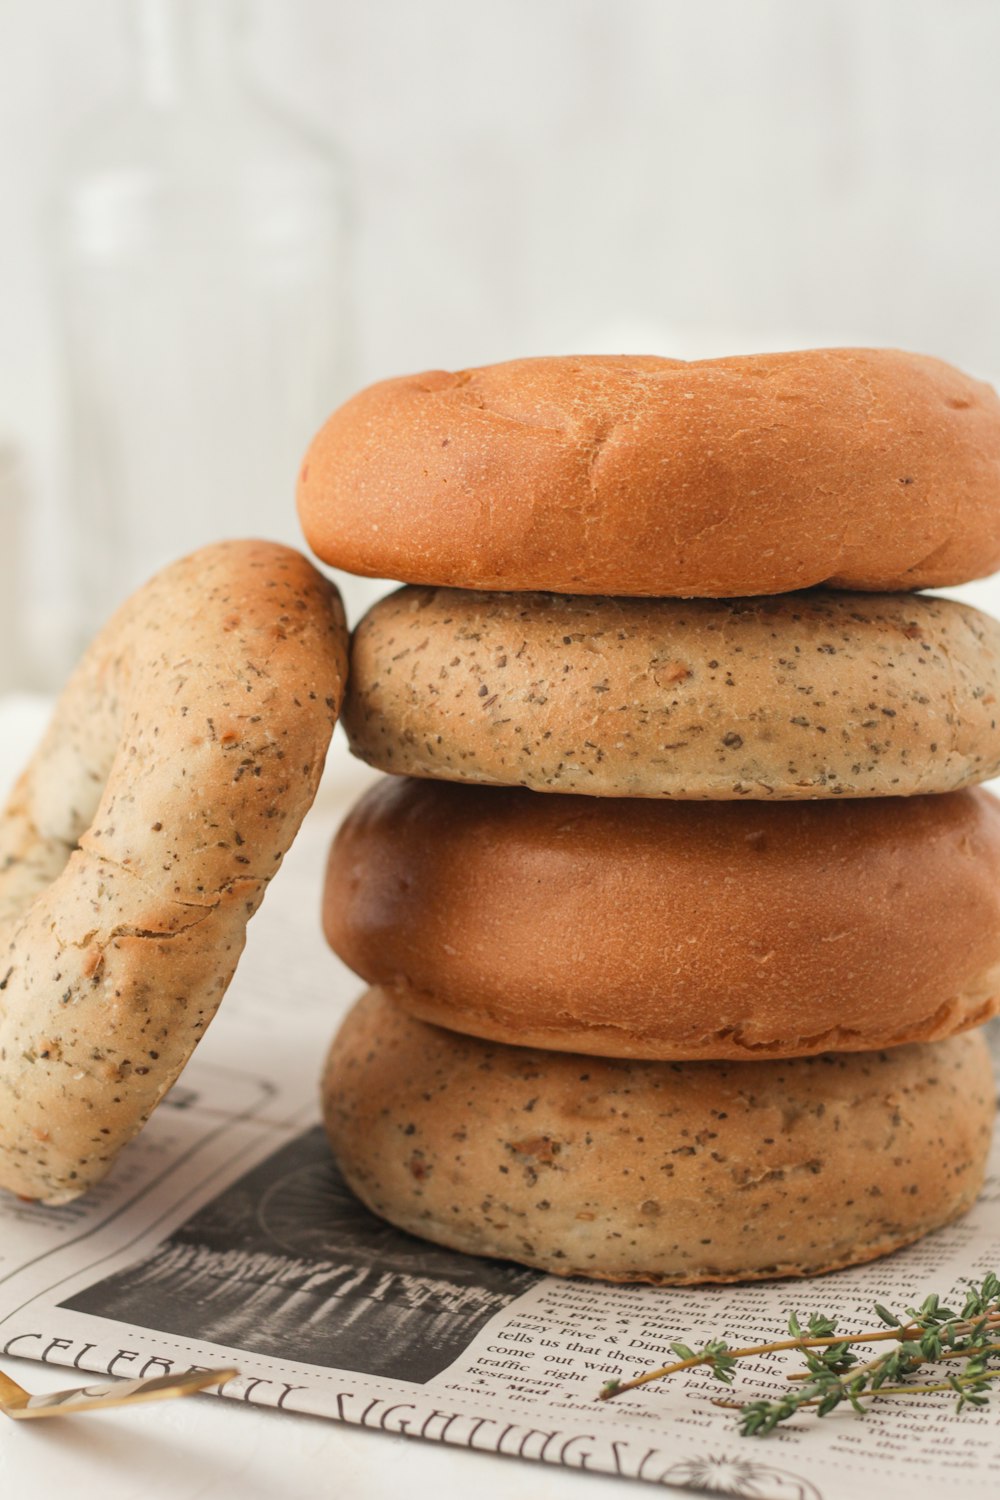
225,1236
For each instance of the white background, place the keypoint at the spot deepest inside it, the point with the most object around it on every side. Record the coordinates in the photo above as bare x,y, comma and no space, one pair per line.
534,176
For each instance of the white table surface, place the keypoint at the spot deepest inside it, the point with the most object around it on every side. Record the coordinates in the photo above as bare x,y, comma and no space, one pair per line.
204,1448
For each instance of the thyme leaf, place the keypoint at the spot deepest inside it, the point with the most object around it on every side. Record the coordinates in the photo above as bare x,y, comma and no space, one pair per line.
834,1372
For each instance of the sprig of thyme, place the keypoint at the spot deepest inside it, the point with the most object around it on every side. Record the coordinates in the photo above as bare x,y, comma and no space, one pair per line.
834,1373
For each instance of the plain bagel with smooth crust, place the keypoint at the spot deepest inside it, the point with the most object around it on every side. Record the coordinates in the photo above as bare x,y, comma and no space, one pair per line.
673,1173
141,838
631,928
788,696
858,468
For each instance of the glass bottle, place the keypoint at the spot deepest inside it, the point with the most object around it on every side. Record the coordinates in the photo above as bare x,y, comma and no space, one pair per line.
201,252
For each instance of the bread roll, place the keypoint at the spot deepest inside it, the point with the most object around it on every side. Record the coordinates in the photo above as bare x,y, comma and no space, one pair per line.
141,838
663,1172
860,468
796,695
673,929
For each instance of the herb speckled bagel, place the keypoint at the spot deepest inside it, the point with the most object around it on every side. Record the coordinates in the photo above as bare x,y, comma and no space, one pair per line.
790,696
632,928
181,759
858,468
661,1172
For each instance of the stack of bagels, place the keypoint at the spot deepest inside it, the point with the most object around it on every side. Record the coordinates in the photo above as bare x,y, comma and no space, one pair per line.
682,902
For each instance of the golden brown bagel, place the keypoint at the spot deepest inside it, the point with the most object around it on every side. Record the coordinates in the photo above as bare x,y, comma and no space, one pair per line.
664,1172
139,841
859,468
630,928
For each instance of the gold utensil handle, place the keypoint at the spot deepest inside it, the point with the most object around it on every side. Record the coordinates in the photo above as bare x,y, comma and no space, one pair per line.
10,1391
18,1404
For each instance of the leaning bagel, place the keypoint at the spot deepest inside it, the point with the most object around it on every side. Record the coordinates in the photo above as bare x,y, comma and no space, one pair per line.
140,839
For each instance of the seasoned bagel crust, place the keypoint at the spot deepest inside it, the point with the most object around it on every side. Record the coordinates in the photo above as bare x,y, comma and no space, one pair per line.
661,1172
141,838
858,468
788,696
671,930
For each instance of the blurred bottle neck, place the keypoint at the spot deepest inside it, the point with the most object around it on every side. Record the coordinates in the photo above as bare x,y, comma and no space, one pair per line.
186,48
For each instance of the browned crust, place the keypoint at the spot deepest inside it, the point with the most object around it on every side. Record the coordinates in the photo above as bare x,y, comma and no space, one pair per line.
791,696
634,928
141,838
860,468
667,1173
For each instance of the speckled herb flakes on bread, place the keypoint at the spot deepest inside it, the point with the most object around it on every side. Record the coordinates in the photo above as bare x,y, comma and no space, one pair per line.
180,761
665,1172
816,694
